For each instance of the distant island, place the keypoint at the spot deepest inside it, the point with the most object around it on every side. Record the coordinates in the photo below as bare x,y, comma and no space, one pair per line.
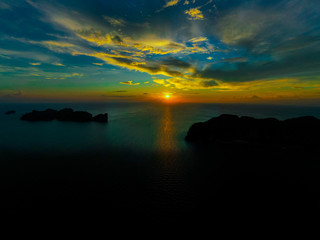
10,112
231,128
66,114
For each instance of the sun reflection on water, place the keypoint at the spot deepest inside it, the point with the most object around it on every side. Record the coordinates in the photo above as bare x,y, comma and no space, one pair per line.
167,145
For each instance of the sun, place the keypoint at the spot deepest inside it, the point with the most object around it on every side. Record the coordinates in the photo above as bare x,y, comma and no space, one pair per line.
167,96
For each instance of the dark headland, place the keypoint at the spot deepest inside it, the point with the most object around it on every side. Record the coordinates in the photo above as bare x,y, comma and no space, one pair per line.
231,128
263,168
66,114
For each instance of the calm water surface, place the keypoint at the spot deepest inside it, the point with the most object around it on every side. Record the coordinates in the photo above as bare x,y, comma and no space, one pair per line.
138,164
134,126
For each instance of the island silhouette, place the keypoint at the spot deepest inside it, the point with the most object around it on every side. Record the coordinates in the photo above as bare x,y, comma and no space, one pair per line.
10,112
66,114
231,128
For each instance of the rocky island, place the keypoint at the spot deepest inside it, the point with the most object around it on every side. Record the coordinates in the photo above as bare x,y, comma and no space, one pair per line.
10,112
66,114
231,128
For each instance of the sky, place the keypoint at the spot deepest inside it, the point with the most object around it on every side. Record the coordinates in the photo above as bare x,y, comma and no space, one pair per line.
254,51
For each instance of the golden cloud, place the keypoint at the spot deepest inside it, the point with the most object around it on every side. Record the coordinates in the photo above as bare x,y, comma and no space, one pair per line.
160,81
129,83
112,39
182,83
96,37
179,72
171,3
195,14
198,39
58,64
132,52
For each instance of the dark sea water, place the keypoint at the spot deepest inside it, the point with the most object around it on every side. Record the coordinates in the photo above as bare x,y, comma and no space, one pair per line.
139,165
132,126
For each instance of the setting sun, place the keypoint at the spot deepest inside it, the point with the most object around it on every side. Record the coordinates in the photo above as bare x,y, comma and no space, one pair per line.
167,96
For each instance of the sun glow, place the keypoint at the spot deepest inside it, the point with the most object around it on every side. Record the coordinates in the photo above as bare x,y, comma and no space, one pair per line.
167,96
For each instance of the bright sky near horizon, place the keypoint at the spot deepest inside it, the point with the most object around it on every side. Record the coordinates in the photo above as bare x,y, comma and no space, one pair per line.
141,50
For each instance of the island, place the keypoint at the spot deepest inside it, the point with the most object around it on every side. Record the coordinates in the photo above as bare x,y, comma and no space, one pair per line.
66,114
300,131
10,112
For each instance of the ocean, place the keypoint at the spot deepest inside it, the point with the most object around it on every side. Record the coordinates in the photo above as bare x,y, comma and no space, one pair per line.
138,164
132,126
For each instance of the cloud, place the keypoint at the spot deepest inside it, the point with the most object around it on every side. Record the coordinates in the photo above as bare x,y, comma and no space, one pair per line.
34,55
185,84
115,22
117,96
4,6
235,59
97,37
276,41
58,64
173,62
181,83
141,46
171,3
295,65
168,67
35,64
194,13
18,93
76,75
191,93
59,44
129,83
256,41
58,47
255,97
160,81
55,46
198,39
12,94
120,50
260,30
